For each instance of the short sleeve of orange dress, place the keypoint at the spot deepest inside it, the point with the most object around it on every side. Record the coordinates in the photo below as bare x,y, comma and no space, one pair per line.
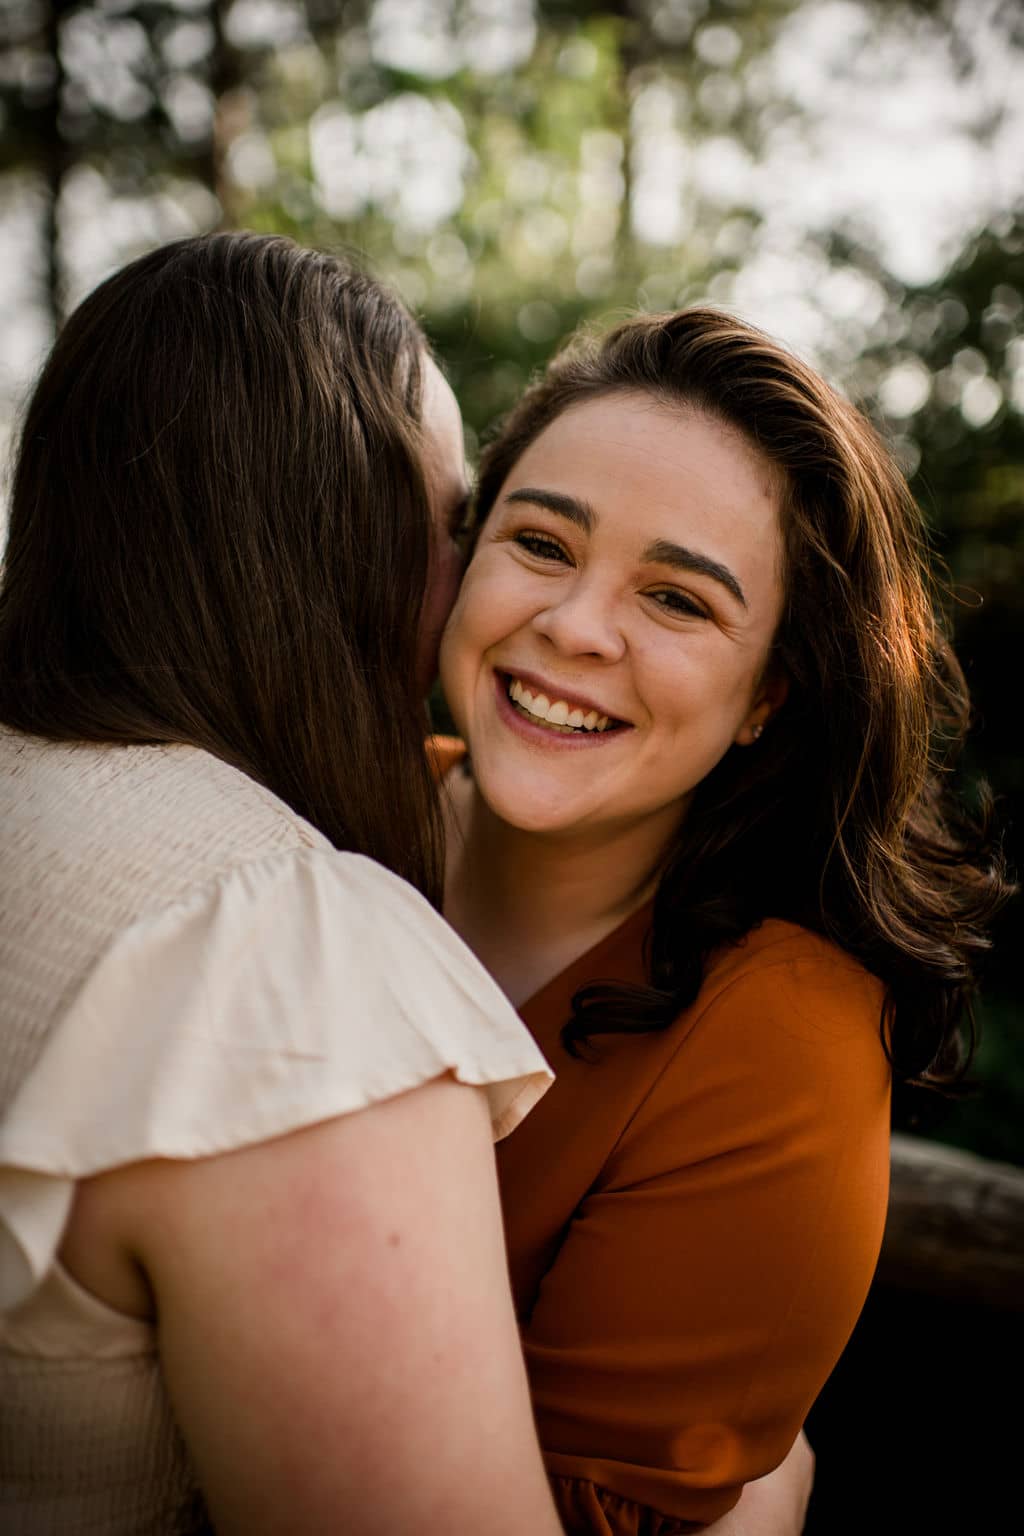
693,1221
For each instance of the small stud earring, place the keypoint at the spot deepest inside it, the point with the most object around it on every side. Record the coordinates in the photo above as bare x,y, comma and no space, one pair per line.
755,731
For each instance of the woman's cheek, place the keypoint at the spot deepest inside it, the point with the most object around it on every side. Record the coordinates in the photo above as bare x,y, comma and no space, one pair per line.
479,620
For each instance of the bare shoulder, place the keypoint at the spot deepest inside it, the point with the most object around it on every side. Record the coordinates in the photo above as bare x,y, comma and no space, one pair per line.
132,1228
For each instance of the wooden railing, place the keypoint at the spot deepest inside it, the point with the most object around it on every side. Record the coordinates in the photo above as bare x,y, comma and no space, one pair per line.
955,1227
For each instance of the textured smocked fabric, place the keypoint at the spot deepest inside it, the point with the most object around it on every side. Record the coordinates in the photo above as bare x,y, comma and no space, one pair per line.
693,1219
186,967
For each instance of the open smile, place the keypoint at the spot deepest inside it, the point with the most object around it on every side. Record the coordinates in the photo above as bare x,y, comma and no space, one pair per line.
565,719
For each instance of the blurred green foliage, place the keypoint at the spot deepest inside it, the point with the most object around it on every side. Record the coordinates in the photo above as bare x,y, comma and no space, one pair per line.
964,331
517,167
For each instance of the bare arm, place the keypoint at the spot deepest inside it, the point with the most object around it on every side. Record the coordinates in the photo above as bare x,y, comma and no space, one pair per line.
336,1327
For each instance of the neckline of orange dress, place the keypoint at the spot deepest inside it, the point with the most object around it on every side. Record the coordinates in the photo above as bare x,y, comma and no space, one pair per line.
444,753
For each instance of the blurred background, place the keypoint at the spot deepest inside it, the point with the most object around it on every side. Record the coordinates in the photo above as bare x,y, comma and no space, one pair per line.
848,174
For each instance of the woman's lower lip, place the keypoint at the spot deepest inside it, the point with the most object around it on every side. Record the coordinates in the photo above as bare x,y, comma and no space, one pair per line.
572,741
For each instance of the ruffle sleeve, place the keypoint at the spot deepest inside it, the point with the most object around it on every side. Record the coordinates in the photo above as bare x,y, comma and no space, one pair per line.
300,986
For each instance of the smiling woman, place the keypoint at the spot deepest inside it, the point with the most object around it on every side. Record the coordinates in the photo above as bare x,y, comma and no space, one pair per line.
700,838
632,569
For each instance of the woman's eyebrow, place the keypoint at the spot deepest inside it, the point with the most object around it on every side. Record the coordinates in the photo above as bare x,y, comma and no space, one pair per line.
663,552
578,512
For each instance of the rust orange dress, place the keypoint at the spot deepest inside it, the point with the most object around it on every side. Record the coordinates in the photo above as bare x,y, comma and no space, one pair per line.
693,1222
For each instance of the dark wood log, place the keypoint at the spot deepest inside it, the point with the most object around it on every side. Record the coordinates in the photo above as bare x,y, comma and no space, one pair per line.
955,1227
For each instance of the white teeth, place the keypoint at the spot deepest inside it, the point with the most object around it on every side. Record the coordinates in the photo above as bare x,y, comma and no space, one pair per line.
559,714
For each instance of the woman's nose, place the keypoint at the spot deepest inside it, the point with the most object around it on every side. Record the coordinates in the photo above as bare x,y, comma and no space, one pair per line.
582,621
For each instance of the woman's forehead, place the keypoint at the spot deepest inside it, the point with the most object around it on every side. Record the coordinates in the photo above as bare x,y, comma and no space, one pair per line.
639,457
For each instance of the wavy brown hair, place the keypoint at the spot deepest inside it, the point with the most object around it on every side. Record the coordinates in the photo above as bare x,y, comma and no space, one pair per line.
840,818
220,534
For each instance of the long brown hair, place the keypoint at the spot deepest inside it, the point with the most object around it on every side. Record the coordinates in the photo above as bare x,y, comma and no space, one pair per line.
220,534
840,818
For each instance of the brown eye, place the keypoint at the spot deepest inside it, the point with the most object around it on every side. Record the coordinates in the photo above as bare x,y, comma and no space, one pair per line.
674,601
544,548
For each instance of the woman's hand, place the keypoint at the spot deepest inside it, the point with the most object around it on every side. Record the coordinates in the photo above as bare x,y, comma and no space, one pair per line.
774,1505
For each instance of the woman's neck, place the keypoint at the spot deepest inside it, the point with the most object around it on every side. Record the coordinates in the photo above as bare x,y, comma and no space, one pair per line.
529,904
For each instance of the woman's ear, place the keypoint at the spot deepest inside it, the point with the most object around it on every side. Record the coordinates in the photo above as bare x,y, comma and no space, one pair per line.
769,698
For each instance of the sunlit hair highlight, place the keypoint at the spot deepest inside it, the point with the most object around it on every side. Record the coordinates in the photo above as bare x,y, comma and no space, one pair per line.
841,818
220,534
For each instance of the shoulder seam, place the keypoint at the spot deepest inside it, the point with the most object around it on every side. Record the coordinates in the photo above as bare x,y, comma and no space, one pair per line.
199,890
710,1002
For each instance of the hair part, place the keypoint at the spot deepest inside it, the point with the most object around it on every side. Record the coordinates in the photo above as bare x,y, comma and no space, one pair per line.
220,534
841,818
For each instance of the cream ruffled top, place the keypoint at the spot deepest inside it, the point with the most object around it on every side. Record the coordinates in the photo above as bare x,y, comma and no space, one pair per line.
186,967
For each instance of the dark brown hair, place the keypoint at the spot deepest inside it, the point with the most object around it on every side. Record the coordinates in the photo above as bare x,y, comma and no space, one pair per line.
220,534
840,818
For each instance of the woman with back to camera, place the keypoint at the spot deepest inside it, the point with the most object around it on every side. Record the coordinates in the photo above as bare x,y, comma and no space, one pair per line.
702,839
251,1259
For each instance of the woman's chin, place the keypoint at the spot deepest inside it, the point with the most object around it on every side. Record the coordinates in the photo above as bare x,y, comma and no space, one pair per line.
520,802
